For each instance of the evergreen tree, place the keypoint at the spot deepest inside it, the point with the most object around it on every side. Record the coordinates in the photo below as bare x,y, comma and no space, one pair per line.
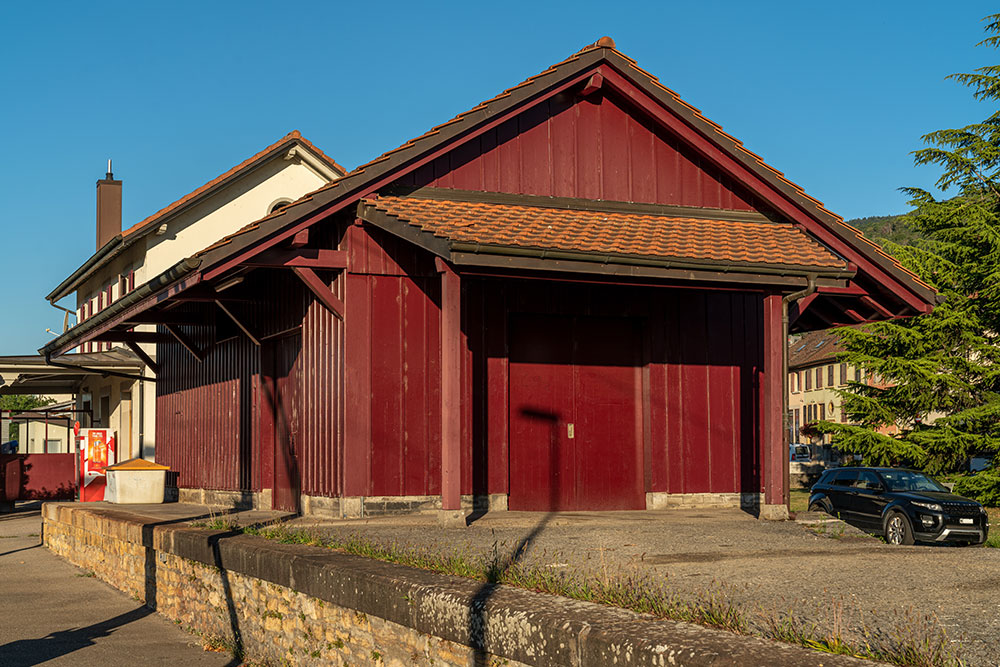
932,395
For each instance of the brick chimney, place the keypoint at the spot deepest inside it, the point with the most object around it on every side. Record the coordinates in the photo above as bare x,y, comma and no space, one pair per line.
109,208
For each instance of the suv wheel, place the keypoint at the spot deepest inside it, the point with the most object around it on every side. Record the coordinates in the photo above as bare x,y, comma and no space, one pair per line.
897,529
819,507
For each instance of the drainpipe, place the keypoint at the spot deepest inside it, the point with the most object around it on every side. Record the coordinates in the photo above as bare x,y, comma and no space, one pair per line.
785,302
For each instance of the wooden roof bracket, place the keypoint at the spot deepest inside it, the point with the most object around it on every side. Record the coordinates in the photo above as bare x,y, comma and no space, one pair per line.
141,353
185,342
240,325
322,291
593,84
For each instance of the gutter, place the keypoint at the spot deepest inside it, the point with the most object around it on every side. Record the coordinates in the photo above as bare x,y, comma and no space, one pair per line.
168,277
787,300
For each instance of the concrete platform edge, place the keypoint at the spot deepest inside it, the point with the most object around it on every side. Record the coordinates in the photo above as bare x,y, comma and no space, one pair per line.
514,624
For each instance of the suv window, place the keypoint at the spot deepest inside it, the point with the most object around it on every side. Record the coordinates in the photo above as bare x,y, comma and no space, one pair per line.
845,477
907,480
868,480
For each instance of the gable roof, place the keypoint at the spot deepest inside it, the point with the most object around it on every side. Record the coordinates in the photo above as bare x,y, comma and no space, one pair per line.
373,175
127,237
619,72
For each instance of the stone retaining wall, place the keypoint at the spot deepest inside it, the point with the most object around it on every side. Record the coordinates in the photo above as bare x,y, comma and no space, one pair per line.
292,604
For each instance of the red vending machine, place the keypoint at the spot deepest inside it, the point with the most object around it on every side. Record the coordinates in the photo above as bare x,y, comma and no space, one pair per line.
97,452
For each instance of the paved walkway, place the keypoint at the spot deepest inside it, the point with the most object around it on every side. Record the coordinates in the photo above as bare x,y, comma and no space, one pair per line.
51,613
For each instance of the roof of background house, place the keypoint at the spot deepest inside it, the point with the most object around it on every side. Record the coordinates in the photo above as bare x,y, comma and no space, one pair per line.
127,237
814,348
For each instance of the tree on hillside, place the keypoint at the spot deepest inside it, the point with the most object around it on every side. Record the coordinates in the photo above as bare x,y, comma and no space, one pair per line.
937,388
19,402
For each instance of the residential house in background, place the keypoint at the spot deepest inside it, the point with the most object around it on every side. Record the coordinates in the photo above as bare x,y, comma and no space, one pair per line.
814,376
281,173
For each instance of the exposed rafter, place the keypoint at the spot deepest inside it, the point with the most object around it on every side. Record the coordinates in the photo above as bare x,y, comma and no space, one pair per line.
309,258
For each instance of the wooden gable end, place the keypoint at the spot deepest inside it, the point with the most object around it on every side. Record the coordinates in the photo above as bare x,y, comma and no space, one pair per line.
597,146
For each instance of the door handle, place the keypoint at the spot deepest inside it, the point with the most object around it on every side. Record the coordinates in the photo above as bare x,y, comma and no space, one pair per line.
570,431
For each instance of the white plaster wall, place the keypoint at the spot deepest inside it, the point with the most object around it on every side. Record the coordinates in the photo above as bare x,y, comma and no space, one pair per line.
240,203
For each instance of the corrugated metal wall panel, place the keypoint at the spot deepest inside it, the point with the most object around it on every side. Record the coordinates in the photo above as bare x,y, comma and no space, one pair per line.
207,411
702,352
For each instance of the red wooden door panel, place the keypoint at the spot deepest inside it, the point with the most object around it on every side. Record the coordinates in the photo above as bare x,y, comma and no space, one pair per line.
541,407
608,421
285,368
574,424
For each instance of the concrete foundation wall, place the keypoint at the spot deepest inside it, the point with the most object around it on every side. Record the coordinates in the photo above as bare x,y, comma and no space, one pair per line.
351,507
301,605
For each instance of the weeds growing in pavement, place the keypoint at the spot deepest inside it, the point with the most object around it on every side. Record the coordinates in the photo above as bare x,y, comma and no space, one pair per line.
217,521
907,639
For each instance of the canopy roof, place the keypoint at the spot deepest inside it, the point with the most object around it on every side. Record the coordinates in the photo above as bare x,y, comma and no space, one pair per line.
538,223
31,374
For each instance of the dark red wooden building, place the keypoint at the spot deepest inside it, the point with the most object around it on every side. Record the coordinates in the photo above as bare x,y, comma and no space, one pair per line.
572,296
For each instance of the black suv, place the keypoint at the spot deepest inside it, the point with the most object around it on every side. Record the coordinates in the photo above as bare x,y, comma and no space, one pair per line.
903,505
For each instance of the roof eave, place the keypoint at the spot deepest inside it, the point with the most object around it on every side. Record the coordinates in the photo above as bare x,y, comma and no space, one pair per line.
87,269
72,338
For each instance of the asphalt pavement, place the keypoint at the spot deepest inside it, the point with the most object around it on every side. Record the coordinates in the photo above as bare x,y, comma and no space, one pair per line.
52,613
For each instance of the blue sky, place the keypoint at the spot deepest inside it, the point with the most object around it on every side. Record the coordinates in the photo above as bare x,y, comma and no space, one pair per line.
836,95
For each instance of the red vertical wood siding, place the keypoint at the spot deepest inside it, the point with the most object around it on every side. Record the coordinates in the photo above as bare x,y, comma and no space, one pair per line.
702,353
392,361
371,385
596,148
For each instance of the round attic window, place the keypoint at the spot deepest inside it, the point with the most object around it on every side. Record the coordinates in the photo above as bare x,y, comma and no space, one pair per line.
278,205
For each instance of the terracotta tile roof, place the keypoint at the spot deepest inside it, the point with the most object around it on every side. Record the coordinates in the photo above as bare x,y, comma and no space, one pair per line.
627,234
293,136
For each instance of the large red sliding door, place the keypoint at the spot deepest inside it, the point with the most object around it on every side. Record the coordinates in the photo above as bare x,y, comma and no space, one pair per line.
575,423
282,377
